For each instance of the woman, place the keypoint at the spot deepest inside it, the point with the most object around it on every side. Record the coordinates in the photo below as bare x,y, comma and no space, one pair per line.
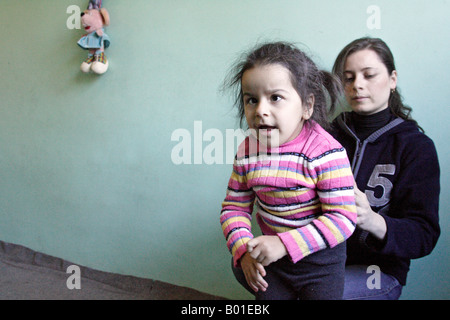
396,170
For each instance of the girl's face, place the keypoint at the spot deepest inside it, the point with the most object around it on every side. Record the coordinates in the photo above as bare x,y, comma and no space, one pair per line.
367,82
273,108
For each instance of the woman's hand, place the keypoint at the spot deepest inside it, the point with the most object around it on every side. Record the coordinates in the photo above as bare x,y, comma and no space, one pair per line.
367,219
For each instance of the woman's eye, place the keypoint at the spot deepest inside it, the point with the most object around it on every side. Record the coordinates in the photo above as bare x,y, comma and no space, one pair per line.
348,80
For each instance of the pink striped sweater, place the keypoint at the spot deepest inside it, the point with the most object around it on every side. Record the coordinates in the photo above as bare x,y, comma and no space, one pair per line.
301,191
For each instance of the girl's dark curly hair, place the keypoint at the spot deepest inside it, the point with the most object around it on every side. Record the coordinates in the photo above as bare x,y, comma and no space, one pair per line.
305,76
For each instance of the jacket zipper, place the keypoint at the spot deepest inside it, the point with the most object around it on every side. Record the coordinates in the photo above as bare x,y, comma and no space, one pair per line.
356,155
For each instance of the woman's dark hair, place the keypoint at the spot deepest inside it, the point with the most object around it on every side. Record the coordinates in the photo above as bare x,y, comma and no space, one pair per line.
305,76
384,53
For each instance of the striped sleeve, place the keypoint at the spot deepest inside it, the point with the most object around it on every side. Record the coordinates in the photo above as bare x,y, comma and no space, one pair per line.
236,214
334,186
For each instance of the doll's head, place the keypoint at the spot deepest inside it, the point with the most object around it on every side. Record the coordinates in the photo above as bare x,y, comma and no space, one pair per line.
94,19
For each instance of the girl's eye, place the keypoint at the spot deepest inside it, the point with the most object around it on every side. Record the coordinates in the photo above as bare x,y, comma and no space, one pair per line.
348,80
370,76
275,98
250,101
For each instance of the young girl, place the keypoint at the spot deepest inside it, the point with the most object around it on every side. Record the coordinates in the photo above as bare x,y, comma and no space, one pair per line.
301,186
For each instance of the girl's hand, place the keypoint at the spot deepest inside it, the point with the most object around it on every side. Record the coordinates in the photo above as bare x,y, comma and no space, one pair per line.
266,249
254,273
367,219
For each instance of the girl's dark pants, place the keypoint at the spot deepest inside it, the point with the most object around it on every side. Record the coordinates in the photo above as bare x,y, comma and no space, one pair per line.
318,276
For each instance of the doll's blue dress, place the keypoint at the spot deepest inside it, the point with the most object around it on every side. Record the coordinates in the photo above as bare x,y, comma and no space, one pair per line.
94,41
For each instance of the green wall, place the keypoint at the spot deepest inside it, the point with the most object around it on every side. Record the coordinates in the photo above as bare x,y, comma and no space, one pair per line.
85,161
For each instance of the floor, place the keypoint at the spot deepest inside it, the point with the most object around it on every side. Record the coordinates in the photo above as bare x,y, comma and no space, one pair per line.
29,275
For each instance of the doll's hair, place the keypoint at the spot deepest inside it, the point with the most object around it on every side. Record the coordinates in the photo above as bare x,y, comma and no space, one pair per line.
94,4
378,46
306,78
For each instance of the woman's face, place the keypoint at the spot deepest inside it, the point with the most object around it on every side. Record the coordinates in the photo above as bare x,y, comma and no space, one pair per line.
367,82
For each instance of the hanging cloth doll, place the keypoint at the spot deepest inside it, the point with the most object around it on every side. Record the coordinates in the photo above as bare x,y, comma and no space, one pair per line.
96,40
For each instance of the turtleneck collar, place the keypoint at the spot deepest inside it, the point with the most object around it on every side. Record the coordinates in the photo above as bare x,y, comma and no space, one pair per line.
365,125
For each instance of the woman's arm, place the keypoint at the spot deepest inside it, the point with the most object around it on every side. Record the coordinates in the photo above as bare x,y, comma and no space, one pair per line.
412,221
